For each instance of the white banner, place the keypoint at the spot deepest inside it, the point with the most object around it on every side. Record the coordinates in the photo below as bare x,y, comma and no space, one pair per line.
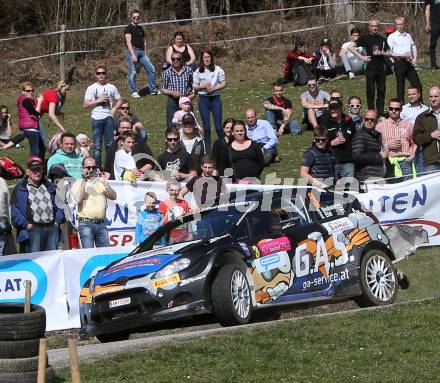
57,276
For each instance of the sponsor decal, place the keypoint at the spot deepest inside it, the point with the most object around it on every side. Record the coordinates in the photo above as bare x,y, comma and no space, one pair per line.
331,278
274,261
271,246
338,225
191,280
119,302
162,282
139,262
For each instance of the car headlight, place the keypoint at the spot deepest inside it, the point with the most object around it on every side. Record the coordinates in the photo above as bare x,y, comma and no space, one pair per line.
92,285
173,267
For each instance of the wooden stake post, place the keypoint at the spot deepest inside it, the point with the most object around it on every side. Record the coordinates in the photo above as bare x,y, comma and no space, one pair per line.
27,297
74,365
42,362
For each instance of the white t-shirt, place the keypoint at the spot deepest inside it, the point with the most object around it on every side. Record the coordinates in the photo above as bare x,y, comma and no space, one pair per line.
94,91
189,144
123,161
214,78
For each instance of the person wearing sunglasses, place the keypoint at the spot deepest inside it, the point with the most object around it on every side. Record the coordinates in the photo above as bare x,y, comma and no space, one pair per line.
135,53
28,115
104,100
175,162
314,102
354,111
137,125
397,140
317,165
176,82
91,194
368,154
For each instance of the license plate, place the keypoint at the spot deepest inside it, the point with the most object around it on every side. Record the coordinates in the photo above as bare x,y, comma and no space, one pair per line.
119,302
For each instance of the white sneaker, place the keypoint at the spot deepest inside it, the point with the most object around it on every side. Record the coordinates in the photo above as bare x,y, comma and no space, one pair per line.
351,75
135,95
157,92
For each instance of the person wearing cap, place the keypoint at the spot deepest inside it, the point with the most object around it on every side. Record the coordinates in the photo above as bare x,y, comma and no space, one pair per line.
176,82
185,106
91,194
137,125
404,52
297,65
209,79
194,145
375,75
34,212
84,148
325,63
140,151
279,112
432,18
352,55
67,156
341,130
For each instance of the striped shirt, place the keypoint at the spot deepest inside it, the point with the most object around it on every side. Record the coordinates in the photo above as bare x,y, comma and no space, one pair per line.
392,131
181,82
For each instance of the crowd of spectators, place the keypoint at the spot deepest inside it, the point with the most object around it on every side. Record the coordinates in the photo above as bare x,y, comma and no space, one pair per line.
399,143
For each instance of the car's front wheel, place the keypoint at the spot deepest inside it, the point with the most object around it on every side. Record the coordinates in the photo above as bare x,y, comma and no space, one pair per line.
378,279
231,297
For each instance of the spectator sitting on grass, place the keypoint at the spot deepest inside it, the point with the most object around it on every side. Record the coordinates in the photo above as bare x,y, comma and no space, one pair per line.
314,102
6,141
67,156
298,65
325,63
354,111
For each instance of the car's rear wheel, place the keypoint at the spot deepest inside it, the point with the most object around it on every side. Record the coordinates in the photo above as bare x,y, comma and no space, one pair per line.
231,296
378,279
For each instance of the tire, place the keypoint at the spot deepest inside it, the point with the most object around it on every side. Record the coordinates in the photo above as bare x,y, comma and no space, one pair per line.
113,337
20,364
378,279
11,349
16,325
26,377
231,296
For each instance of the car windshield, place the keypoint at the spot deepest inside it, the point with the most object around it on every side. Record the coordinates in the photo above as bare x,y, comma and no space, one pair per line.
198,226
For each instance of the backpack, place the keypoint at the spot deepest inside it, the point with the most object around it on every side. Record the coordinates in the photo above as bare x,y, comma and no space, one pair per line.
10,170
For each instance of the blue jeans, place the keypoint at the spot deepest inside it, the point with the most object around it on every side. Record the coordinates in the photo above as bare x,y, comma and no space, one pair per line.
148,66
269,155
172,107
418,161
406,167
344,170
211,104
42,238
36,143
102,129
292,127
92,234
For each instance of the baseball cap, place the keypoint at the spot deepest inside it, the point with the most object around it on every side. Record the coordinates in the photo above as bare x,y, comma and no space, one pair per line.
34,162
184,100
325,41
57,171
187,118
389,29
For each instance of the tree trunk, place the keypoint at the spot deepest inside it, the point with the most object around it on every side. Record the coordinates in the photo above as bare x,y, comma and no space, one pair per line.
198,8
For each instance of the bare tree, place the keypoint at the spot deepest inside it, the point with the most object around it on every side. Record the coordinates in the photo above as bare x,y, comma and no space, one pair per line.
134,4
198,8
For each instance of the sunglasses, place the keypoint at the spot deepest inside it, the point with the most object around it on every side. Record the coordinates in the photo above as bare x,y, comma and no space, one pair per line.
320,140
172,139
29,90
100,73
369,119
311,85
393,109
125,107
175,58
355,106
90,167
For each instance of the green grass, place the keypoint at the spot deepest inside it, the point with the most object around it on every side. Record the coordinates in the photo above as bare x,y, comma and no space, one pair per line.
393,345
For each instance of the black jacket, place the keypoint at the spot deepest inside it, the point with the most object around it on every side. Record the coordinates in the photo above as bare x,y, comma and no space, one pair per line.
342,152
366,147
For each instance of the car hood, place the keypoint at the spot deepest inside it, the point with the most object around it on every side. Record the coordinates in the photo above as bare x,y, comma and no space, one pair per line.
141,264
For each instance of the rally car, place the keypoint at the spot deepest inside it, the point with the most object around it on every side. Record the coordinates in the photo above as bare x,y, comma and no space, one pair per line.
270,248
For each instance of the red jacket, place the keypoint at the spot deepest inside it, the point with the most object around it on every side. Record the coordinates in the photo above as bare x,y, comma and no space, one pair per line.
291,57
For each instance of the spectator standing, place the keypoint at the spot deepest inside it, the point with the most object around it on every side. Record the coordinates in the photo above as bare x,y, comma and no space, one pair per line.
135,52
410,111
176,82
351,55
104,100
138,127
148,220
209,79
175,159
5,219
375,77
245,155
178,45
325,63
432,17
67,156
317,165
6,139
314,102
279,112
397,141
34,212
261,132
368,155
427,132
354,111
298,64
404,52
220,149
28,116
194,145
340,131
91,194
124,167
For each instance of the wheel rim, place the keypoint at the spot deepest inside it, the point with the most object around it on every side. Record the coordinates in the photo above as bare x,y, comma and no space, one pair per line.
240,294
380,278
